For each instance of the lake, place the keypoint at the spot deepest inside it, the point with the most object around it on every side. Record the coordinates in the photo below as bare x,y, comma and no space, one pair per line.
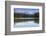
27,23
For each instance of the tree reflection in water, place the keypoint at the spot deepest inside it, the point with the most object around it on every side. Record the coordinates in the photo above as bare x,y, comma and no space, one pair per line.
23,20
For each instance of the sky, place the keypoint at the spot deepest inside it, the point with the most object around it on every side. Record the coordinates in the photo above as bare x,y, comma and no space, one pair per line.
26,10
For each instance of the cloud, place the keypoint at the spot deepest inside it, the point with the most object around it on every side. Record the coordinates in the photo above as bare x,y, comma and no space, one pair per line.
26,10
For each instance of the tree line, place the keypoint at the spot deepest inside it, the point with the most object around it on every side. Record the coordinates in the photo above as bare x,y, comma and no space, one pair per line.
26,15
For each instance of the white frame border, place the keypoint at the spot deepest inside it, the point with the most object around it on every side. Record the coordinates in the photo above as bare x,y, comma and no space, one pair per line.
22,29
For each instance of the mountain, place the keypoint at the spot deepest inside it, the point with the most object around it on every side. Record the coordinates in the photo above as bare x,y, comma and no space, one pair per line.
26,15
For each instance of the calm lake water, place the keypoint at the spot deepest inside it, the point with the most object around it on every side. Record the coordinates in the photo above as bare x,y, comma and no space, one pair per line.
29,23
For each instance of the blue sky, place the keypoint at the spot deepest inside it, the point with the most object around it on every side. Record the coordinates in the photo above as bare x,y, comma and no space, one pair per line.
26,10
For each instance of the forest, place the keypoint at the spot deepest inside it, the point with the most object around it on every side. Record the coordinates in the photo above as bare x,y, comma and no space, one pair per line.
20,15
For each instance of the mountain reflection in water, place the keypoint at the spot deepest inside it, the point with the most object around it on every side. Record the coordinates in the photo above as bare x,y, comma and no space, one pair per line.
26,23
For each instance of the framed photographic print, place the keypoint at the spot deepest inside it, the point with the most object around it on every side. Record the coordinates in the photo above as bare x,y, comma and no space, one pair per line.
24,17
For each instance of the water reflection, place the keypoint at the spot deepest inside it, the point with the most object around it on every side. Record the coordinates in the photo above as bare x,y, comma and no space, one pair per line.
23,20
26,23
